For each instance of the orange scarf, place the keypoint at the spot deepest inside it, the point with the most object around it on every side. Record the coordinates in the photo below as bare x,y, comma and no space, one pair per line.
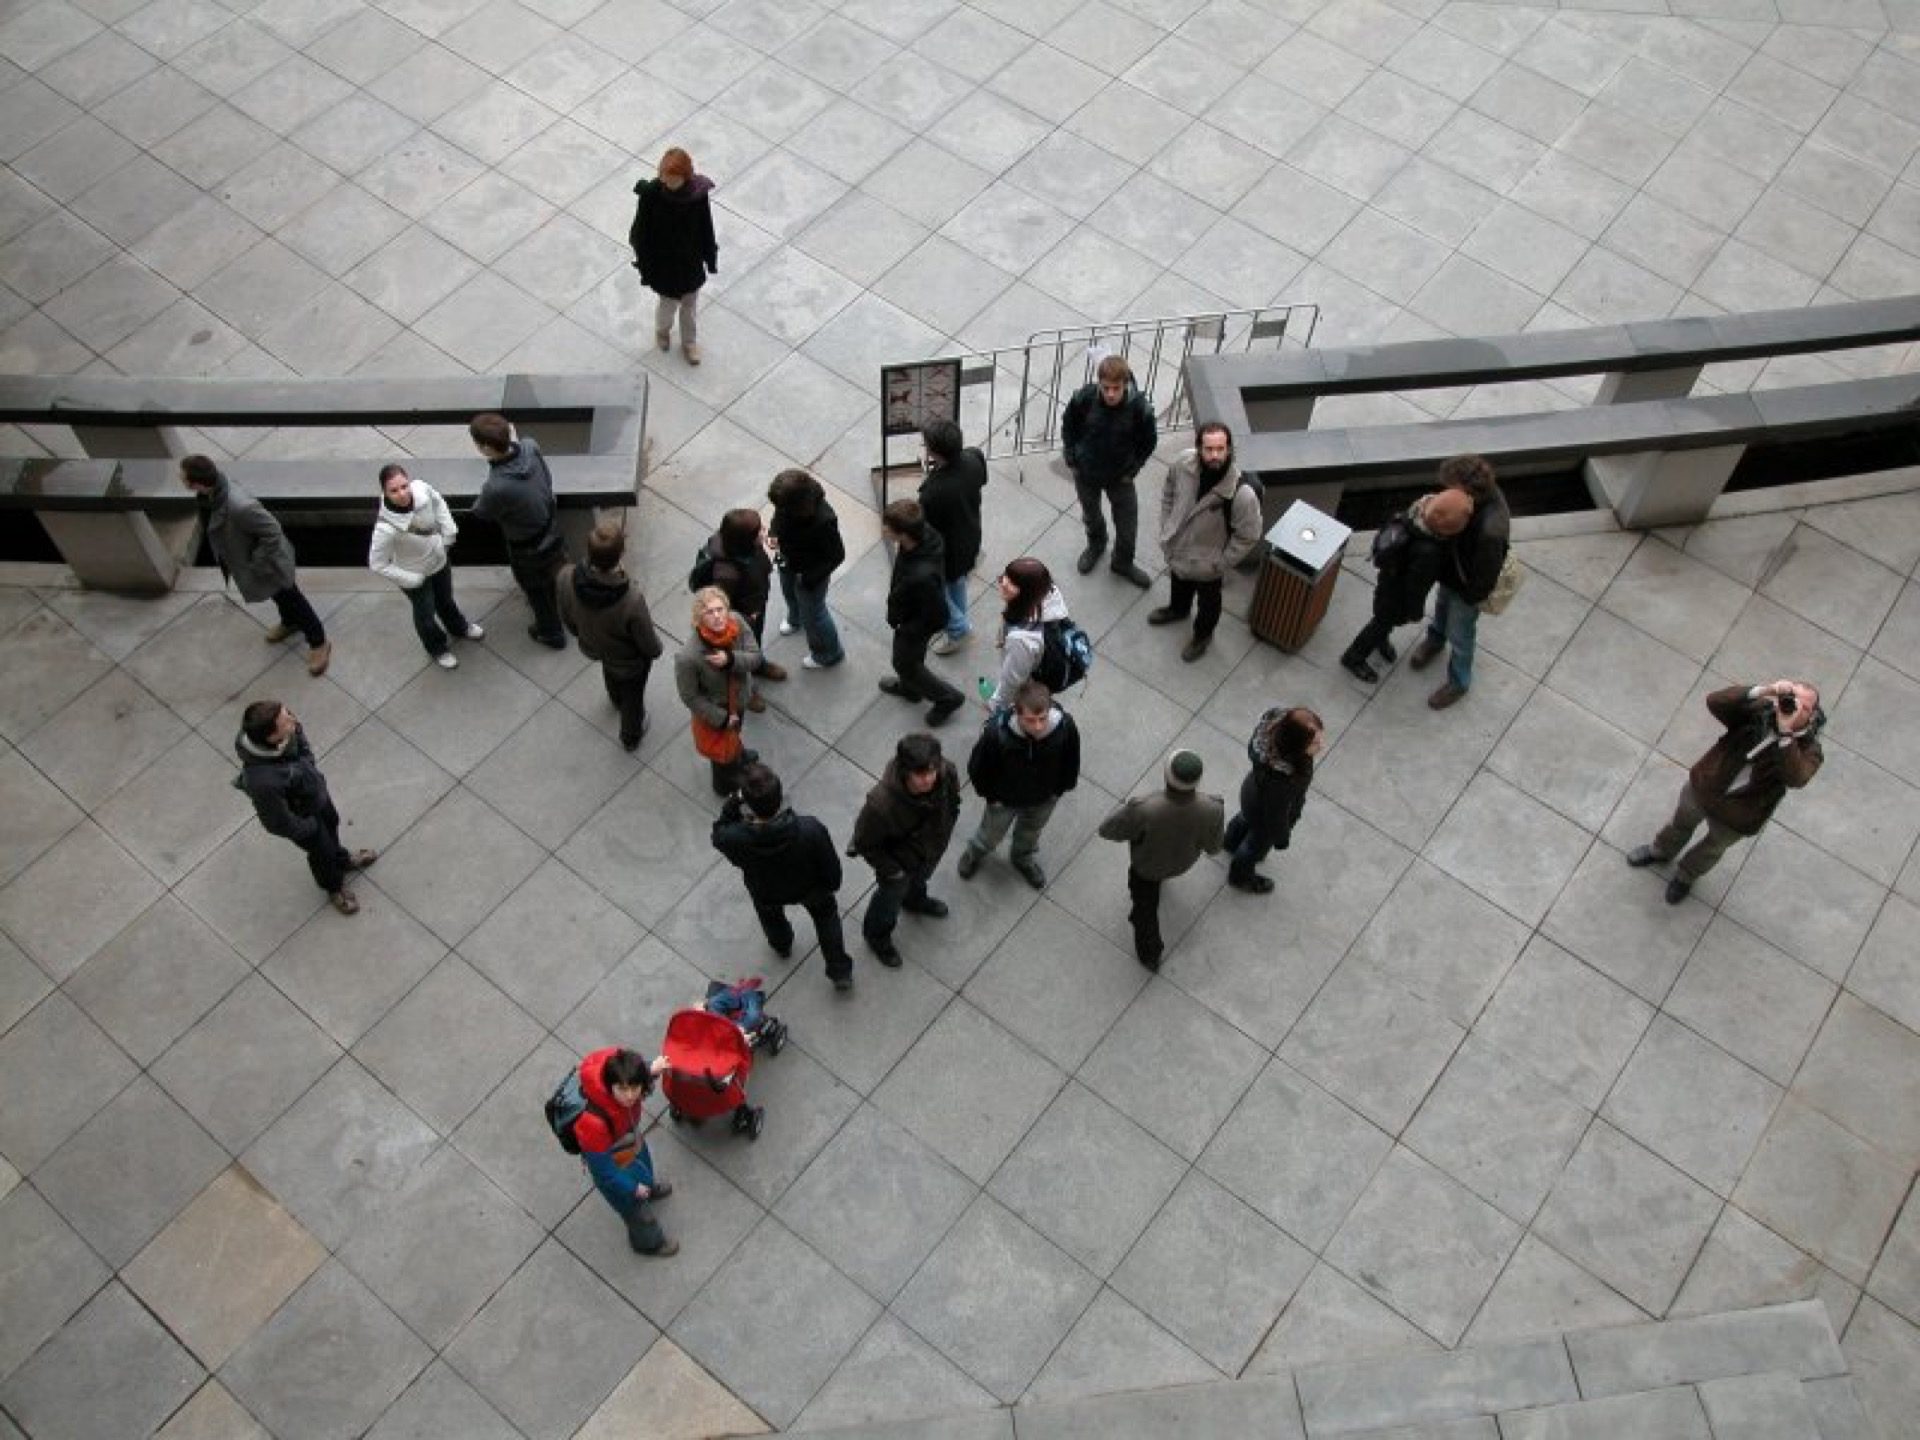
721,744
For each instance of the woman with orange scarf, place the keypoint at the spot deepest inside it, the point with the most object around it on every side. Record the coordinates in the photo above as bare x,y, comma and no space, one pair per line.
714,674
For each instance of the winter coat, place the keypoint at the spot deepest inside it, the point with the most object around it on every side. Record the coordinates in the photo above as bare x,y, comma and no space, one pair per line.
247,541
703,689
1106,444
950,498
1205,533
1777,768
410,545
609,1134
810,549
899,833
1168,831
747,578
917,594
1023,646
783,860
518,497
672,236
1400,592
1275,790
1472,565
606,612
1010,767
286,787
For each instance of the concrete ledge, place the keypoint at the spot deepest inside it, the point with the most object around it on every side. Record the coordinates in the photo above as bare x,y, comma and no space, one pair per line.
1791,1340
1758,1407
1656,1415
1266,1408
1419,1389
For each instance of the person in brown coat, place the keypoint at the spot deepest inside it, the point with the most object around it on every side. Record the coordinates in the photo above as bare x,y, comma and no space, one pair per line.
902,831
1771,744
604,610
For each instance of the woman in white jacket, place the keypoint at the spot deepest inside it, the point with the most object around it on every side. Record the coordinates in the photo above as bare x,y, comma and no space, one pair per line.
1032,599
410,538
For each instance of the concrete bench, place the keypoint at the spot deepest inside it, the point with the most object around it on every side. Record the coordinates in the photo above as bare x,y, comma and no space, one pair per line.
121,518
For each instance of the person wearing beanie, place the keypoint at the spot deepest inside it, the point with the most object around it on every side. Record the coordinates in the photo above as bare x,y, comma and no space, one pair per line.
1408,570
1166,833
786,859
1282,750
1469,569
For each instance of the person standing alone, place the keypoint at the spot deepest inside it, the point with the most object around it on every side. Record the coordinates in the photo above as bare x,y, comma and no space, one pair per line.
280,776
253,553
1107,432
673,247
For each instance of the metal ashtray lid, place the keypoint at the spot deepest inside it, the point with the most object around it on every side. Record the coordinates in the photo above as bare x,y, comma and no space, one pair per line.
1311,539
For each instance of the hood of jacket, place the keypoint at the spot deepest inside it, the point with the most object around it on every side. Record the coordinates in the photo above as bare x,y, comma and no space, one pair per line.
1263,748
1013,737
213,499
251,753
770,839
930,553
598,589
697,187
418,519
517,465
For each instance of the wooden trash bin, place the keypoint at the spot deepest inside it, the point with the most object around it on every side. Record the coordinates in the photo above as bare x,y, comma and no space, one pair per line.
1296,580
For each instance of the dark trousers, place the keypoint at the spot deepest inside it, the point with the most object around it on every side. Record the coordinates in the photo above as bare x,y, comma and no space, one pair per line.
910,664
825,914
435,616
1125,501
297,613
1374,634
534,573
1185,593
883,908
327,858
1144,916
1247,844
629,696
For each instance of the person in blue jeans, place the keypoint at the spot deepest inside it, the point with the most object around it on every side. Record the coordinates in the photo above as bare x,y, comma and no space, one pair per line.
615,1082
950,500
1282,750
1468,572
805,539
902,831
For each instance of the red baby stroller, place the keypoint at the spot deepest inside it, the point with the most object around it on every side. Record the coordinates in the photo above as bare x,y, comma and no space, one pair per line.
709,1055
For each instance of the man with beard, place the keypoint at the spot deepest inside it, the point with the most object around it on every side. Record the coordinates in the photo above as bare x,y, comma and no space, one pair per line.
1209,521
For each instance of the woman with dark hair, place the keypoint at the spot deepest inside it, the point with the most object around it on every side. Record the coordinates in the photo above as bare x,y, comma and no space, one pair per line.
736,560
807,548
614,1082
411,534
1031,598
673,247
1282,750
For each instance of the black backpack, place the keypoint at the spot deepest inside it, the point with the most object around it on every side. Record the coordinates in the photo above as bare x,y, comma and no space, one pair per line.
566,1105
1066,655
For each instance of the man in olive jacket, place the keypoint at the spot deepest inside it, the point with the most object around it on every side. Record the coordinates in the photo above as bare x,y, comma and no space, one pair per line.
1770,744
605,611
1166,833
902,832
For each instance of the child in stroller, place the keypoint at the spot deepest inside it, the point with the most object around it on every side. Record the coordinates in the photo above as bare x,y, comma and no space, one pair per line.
709,1054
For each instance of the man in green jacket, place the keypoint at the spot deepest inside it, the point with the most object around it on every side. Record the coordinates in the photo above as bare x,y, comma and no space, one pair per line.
1167,833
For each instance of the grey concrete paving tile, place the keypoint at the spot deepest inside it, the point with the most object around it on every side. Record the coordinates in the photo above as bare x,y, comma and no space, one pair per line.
1803,900
52,1273
991,1262
348,976
57,1069
1541,1293
519,1156
1768,638
1570,1024
1372,1043
1886,974
1833,585
1880,1349
23,984
1895,1281
1860,1072
454,998
1602,645
644,849
1744,1266
1441,941
774,1347
37,814
111,1371
1374,1394
1791,1340
330,1361
1253,1407
805,1108
1295,1154
894,1377
437,1399
1692,1104
1330,1318
39,684
1867,723
1677,600
859,1043
497,858
211,1414
1657,1414
666,1381
1114,1347
550,942
1621,926
1626,1216
1056,985
1751,1000
1760,1406
906,1195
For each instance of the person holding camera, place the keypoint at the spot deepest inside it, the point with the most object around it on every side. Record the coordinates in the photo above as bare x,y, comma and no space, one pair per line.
1771,745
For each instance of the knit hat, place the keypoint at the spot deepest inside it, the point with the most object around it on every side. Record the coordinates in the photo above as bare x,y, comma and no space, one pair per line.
1446,512
1183,770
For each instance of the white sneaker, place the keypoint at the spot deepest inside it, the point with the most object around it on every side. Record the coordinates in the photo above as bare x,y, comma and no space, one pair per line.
807,662
787,627
446,661
475,632
945,644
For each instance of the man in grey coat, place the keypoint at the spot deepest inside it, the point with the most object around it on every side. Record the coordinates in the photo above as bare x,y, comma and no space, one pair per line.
1166,833
254,554
1209,522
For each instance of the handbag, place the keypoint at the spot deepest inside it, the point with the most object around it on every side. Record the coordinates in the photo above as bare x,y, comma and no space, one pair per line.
1512,572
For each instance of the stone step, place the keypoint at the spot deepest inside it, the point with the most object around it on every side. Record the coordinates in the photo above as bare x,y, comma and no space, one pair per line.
1774,1373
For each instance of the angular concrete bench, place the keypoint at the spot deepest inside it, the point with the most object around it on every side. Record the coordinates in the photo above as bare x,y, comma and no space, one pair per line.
102,512
1651,452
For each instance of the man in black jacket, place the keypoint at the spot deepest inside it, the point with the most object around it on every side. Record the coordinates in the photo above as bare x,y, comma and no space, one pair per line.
518,497
916,608
902,831
289,794
1468,572
950,499
605,610
1107,433
786,859
1025,759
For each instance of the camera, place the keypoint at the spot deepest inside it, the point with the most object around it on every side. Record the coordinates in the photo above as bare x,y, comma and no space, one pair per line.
1787,703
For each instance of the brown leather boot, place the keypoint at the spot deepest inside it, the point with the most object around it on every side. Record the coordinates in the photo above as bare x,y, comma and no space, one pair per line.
770,671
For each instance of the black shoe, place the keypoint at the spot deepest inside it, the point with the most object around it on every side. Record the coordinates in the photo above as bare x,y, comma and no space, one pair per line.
1133,572
1031,872
968,864
552,642
1089,558
1165,615
884,951
1641,856
1360,670
1387,652
943,710
1151,959
842,983
1195,648
894,686
1677,889
782,948
660,1190
930,907
1252,884
629,745
668,1247
749,757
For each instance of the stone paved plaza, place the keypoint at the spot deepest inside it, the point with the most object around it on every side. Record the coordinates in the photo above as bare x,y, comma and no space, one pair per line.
1462,1078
